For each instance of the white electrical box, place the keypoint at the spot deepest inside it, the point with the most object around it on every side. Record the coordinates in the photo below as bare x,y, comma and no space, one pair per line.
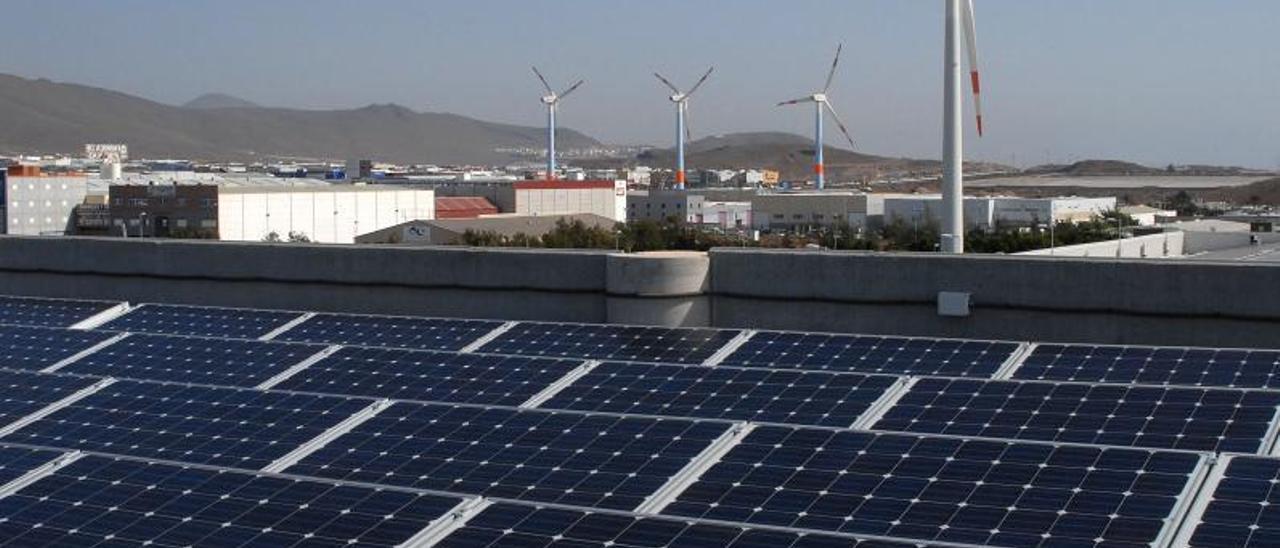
953,304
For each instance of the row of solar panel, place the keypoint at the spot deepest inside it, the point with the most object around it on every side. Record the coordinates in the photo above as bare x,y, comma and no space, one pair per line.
930,489
1216,420
103,501
864,354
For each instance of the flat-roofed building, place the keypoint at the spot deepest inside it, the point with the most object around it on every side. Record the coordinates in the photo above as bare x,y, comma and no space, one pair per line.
33,203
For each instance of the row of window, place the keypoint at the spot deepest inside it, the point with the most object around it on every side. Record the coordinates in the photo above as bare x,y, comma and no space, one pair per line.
179,202
32,203
177,223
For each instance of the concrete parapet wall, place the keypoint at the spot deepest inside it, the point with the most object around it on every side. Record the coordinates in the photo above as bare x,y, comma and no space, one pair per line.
1013,297
1167,244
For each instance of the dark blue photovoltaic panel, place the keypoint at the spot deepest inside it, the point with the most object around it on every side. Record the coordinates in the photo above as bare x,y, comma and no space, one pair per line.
390,331
35,348
434,376
1244,510
195,360
17,461
229,427
567,458
611,342
521,526
233,323
941,489
1167,418
758,395
872,354
98,501
49,312
1144,365
22,393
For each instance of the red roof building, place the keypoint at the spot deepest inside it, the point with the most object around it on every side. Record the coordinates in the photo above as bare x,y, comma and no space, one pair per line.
463,207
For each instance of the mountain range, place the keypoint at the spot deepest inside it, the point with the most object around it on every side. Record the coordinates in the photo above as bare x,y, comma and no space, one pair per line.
49,117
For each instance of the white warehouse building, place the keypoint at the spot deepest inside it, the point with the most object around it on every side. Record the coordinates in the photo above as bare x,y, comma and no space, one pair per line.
988,213
325,214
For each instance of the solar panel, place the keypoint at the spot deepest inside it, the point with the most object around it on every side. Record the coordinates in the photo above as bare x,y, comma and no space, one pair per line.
17,461
435,376
24,393
169,319
513,525
1145,365
194,360
1126,416
1243,510
567,458
940,489
49,312
872,354
395,332
99,501
760,395
241,428
611,342
25,347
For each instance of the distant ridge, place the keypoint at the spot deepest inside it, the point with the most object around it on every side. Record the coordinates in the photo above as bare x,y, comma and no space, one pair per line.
49,117
219,100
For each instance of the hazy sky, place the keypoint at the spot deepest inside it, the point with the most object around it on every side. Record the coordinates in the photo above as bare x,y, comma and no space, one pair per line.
1157,81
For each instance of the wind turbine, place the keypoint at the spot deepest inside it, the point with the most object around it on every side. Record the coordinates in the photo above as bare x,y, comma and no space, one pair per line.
821,102
961,24
681,99
552,100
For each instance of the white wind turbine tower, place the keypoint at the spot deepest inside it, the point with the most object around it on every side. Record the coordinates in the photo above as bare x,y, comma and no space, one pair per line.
960,22
552,100
681,99
822,102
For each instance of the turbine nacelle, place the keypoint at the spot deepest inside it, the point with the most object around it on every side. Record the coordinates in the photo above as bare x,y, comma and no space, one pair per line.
819,97
550,100
678,98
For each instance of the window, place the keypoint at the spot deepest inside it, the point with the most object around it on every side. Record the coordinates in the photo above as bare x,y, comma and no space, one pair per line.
209,223
180,223
117,222
779,216
133,222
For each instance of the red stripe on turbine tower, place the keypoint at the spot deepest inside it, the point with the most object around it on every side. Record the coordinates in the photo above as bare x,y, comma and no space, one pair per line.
680,177
819,169
977,82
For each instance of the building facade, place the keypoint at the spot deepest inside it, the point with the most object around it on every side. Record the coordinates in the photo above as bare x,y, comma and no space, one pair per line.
35,204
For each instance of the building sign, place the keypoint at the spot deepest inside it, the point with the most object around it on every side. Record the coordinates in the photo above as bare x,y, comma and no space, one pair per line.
106,152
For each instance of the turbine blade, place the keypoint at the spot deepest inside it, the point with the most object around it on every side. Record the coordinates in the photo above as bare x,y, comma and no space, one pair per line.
543,80
668,83
840,124
796,101
832,75
700,81
971,43
570,90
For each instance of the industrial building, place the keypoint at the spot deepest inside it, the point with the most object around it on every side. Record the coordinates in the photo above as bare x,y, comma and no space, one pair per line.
317,212
720,214
989,213
806,211
452,231
661,205
35,204
603,198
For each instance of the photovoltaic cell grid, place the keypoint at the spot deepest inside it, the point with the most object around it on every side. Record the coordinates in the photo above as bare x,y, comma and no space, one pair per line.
566,458
938,489
395,332
611,342
24,347
758,395
1161,366
22,393
435,376
231,323
17,461
48,312
98,501
1126,416
520,526
228,427
872,354
196,360
1244,510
